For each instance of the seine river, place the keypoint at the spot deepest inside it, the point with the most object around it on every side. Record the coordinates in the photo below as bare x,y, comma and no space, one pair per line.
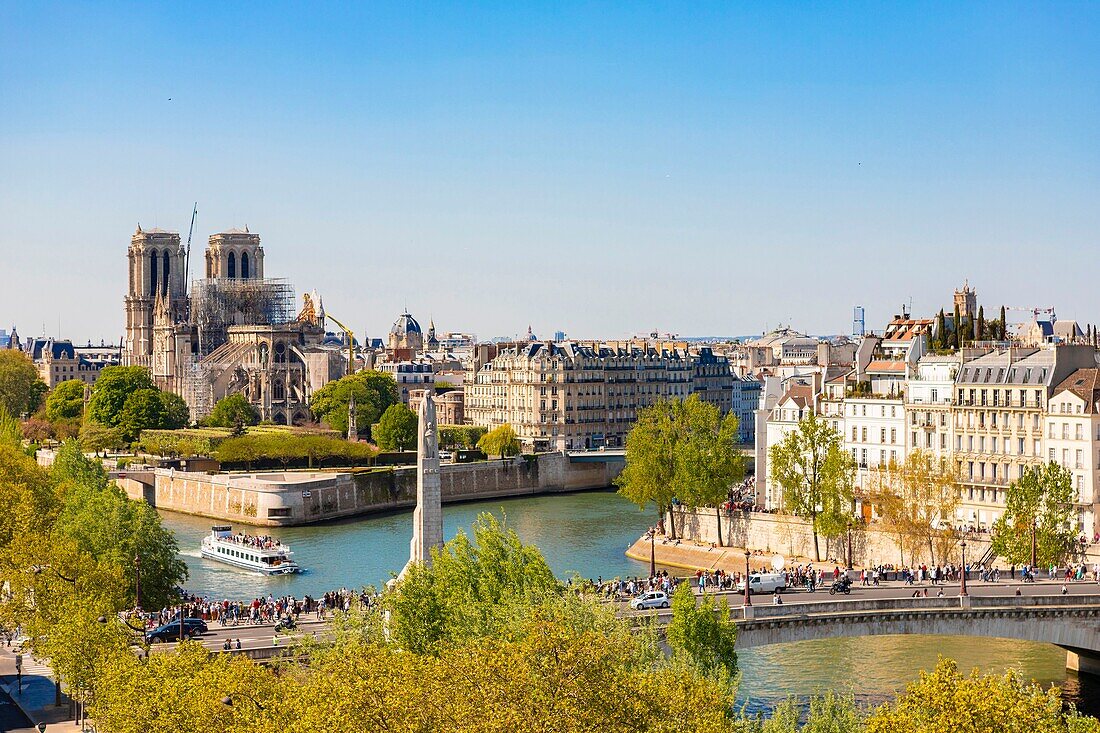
587,533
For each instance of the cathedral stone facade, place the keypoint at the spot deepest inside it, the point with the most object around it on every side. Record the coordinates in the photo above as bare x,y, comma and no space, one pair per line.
233,332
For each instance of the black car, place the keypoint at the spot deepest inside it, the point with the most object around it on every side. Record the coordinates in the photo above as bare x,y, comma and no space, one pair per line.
192,627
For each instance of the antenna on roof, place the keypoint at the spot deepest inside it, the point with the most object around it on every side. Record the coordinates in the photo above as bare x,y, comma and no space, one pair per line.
187,254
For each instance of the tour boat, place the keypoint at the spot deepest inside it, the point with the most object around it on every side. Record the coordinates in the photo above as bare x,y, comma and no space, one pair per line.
265,555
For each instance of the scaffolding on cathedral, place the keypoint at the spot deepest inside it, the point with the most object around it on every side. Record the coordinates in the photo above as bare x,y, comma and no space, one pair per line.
197,391
217,304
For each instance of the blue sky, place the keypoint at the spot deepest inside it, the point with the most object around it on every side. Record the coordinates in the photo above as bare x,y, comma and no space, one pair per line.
704,168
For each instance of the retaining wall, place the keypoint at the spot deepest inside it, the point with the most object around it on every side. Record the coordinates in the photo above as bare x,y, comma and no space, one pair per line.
276,498
792,537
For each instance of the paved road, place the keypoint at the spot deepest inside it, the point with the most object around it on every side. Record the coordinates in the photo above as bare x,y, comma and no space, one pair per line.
11,717
254,636
891,590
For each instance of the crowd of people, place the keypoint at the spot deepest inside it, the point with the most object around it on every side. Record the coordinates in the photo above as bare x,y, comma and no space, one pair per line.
262,542
259,610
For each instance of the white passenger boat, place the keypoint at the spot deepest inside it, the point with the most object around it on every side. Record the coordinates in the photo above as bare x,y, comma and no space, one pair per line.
265,555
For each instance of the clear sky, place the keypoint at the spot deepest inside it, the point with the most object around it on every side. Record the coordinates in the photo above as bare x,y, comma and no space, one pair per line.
699,168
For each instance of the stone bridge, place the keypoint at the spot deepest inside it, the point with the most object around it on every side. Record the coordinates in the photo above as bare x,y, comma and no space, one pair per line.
1070,622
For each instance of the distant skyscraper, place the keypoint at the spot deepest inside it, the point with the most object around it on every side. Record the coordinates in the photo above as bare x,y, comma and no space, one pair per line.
559,335
858,321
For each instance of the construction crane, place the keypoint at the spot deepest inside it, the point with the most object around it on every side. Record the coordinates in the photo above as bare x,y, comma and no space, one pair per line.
1033,311
351,342
187,254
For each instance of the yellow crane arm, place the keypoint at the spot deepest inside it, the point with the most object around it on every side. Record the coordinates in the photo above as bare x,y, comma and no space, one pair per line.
351,342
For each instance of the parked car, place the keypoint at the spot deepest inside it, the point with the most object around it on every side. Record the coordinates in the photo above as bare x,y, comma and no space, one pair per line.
651,599
764,583
192,627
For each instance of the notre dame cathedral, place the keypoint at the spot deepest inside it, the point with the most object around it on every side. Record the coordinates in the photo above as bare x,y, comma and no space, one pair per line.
230,331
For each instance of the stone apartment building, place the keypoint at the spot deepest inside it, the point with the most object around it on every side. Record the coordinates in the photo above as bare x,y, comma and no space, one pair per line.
573,395
1000,409
59,361
1072,430
928,400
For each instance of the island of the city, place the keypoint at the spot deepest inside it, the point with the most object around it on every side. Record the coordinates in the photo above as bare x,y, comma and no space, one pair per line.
549,368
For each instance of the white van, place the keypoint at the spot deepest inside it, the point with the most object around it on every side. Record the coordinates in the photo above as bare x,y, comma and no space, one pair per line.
764,583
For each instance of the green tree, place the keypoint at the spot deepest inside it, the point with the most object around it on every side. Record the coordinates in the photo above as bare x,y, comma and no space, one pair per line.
1003,326
816,475
944,700
1038,508
65,401
501,441
112,528
652,458
231,411
20,388
980,327
112,388
144,409
460,436
95,437
701,634
471,589
10,430
374,393
396,429
176,414
708,461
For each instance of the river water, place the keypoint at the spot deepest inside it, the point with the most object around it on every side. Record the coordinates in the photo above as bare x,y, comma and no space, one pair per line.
587,533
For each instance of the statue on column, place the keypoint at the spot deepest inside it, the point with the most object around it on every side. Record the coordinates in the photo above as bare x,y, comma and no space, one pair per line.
428,515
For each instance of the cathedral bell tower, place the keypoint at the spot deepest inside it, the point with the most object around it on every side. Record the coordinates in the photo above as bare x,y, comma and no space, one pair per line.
156,271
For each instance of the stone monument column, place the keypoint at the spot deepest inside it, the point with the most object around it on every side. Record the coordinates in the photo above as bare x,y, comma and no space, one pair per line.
428,516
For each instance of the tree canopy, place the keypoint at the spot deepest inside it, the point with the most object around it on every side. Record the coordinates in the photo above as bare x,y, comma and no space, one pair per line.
501,441
816,476
65,401
916,501
1040,501
396,429
374,393
231,411
126,398
20,388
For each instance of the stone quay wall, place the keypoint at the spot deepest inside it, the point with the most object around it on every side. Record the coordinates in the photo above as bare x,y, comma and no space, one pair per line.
291,498
792,537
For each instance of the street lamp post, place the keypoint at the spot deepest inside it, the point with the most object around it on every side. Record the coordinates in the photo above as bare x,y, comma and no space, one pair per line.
849,543
1033,548
137,580
228,701
748,596
652,552
962,572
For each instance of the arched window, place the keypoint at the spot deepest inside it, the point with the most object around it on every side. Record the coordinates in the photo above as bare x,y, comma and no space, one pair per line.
244,265
153,273
231,271
277,391
167,273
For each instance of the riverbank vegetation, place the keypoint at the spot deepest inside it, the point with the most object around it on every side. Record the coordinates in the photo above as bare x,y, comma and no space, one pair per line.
681,451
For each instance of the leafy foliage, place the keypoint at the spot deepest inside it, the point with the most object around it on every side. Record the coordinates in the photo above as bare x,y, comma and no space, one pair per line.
471,589
20,388
816,475
65,401
916,501
374,393
499,441
290,449
112,388
702,635
396,430
1041,499
460,436
231,411
944,700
